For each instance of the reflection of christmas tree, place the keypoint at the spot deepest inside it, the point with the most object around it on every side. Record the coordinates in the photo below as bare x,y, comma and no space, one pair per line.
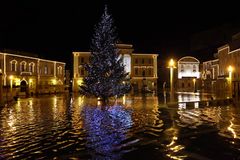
106,75
106,129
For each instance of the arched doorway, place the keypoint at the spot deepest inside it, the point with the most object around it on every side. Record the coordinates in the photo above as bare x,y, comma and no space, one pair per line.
23,86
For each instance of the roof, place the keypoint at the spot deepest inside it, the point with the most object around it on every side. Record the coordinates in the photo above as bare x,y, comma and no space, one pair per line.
188,59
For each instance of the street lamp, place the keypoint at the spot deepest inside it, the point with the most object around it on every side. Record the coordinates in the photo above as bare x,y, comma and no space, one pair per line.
171,65
230,70
194,84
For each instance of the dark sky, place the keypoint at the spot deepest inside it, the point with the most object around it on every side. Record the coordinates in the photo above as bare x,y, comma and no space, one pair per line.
53,29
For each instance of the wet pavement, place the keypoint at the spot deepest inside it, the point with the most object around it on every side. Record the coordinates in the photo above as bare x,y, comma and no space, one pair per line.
140,127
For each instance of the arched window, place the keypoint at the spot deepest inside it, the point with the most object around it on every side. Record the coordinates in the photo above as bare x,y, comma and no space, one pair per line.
23,66
31,67
13,65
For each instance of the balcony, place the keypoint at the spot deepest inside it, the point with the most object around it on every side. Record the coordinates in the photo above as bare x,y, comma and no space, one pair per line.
25,73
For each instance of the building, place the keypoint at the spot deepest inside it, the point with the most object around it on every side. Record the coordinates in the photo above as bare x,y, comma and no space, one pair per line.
188,74
142,68
229,65
209,75
31,75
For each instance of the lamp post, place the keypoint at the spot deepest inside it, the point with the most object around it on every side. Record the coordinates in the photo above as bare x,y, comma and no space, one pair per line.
230,70
194,84
171,65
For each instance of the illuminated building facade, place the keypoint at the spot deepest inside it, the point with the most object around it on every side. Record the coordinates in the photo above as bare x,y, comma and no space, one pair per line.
188,74
209,75
31,75
229,57
142,68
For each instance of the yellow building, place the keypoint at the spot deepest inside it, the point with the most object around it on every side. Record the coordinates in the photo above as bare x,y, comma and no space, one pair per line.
31,75
229,64
142,68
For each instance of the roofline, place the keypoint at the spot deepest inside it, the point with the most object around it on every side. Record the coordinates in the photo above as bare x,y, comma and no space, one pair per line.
223,47
188,57
214,60
16,55
81,53
149,54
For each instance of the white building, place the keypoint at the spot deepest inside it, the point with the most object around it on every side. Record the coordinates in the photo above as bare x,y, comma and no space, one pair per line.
188,74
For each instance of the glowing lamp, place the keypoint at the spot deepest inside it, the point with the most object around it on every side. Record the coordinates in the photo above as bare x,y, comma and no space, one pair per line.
230,68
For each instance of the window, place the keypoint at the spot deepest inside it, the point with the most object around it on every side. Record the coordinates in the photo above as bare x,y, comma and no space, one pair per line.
31,67
59,70
82,71
194,68
143,73
45,70
182,68
182,85
13,65
82,60
149,71
23,66
149,61
136,61
189,85
143,61
136,71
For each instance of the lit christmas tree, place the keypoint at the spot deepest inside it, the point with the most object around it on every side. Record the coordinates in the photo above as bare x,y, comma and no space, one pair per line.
106,75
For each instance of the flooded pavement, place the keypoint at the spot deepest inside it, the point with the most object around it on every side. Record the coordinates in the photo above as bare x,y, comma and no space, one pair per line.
64,127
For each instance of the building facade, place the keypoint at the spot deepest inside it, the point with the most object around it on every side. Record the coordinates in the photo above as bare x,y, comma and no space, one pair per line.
188,74
31,75
229,65
209,75
142,68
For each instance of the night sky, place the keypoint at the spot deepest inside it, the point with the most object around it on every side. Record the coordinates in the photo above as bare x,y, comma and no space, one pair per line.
53,29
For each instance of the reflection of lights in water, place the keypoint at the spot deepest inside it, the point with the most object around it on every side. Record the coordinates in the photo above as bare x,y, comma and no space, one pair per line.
173,141
188,97
231,129
173,148
196,105
99,103
124,99
12,120
106,128
80,100
55,101
181,106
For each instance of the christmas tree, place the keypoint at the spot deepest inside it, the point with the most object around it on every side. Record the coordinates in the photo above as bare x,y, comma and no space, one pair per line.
106,75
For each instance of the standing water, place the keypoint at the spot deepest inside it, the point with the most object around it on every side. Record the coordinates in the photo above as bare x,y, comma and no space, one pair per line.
62,127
